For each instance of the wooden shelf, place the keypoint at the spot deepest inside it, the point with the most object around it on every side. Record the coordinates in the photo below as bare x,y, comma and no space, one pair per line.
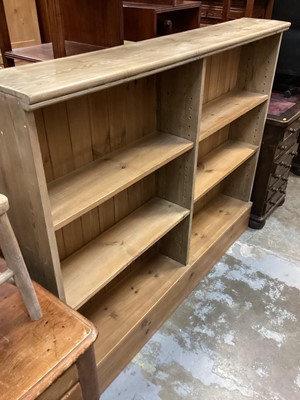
133,310
223,110
219,163
84,189
96,264
211,223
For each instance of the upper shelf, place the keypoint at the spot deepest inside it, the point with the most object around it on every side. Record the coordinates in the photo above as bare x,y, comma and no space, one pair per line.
44,83
219,163
82,190
225,109
96,264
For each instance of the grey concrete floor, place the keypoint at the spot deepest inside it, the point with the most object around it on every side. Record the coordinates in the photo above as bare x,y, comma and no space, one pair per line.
237,336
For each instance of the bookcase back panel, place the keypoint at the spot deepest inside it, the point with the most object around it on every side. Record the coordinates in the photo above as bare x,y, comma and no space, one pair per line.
248,127
78,233
207,198
76,132
221,73
239,183
213,141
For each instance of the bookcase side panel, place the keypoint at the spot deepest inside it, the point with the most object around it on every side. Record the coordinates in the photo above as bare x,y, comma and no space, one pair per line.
258,62
23,182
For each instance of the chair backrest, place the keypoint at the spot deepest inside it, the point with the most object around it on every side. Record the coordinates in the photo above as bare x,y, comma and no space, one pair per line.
16,266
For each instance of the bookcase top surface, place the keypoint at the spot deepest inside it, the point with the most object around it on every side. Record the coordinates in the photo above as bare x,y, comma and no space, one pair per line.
51,81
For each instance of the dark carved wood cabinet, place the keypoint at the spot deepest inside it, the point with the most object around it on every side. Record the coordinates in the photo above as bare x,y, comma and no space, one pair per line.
279,146
149,19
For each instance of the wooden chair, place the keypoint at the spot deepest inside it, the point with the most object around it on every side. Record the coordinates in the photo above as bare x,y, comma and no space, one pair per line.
67,27
16,267
52,358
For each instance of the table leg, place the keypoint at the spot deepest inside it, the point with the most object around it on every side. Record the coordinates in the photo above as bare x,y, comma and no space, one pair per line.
87,373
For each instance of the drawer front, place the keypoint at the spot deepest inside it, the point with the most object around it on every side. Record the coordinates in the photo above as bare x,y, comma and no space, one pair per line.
289,139
214,14
273,201
283,163
278,188
67,380
73,394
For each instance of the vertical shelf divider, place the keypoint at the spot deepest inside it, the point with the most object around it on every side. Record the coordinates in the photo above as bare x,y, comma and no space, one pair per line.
179,112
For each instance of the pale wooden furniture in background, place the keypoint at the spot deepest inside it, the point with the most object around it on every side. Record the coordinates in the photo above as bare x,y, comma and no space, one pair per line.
17,270
22,22
134,167
18,26
35,354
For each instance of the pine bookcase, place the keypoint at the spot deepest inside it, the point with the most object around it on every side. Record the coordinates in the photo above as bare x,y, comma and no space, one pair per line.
129,171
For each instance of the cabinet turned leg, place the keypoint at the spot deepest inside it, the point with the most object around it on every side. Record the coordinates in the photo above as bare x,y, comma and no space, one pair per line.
254,224
87,373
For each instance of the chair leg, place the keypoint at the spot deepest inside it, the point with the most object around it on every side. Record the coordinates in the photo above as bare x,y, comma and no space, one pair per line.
15,262
269,9
57,34
226,10
249,8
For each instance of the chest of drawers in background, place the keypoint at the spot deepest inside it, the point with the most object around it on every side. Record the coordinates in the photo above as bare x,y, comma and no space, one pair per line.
279,146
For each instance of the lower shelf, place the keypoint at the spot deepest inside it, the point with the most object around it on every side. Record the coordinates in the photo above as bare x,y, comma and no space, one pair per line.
96,264
132,311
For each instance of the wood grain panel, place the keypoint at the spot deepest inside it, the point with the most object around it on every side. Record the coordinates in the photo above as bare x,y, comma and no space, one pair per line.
22,22
87,271
80,131
89,226
44,146
221,74
59,139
